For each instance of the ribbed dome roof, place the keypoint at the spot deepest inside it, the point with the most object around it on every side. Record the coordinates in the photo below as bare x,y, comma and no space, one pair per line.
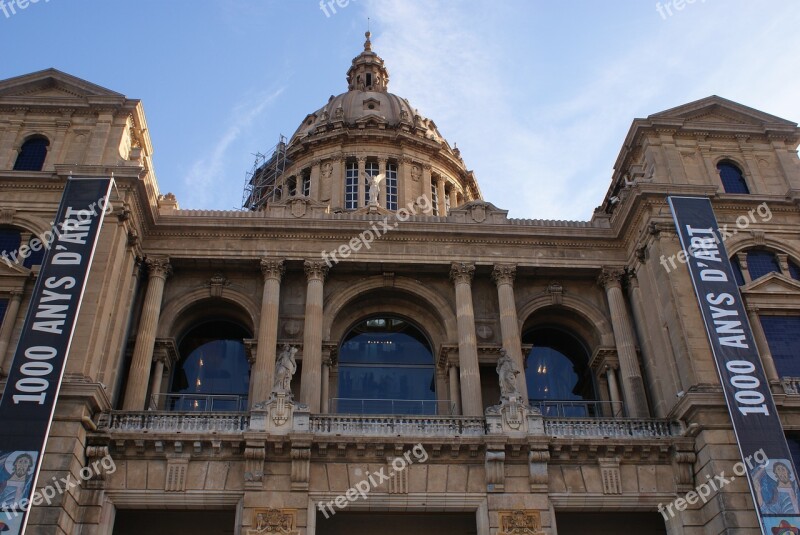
368,102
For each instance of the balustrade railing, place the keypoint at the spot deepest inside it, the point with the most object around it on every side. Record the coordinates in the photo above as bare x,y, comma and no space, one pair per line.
171,422
611,428
429,426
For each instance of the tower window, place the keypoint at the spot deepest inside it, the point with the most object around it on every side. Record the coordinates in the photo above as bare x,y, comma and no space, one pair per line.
732,178
391,186
32,154
369,80
351,186
306,187
434,199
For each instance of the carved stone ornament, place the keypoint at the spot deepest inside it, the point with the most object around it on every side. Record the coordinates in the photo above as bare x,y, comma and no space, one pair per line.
281,521
520,522
327,170
416,173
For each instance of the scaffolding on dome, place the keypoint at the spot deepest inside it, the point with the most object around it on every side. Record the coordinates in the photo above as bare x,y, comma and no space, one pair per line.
262,182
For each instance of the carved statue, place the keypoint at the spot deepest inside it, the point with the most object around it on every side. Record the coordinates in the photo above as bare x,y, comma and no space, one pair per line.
507,373
285,368
374,188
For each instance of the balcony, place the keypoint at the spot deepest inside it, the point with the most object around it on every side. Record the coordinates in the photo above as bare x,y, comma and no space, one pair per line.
611,428
396,425
198,403
174,422
578,409
392,406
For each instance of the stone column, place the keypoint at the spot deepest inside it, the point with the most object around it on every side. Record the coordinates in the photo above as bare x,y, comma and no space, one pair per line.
426,186
453,197
503,275
311,378
158,376
337,181
762,344
264,367
135,396
455,395
7,328
440,193
314,177
326,385
632,383
361,182
613,391
382,171
471,402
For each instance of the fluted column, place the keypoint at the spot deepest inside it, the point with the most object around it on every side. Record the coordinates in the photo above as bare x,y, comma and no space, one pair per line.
135,396
264,367
762,344
613,391
503,275
311,378
471,402
455,395
9,319
632,383
158,377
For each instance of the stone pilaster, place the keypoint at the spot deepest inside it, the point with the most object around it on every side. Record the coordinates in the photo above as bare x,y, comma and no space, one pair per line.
503,276
158,270
311,378
471,402
632,382
361,181
264,366
7,329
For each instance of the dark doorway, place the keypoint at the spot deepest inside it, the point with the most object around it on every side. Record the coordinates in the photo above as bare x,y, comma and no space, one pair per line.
153,522
397,523
577,523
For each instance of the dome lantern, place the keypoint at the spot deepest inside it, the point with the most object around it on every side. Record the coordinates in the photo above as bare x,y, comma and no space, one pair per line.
367,73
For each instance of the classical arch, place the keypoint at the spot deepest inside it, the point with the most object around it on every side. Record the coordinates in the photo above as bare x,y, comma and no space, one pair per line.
580,316
188,308
744,240
406,297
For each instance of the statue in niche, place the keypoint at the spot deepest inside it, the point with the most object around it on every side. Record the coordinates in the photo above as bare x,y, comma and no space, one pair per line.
285,368
374,188
507,373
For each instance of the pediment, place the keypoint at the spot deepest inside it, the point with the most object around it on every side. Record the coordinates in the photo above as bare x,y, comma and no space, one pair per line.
12,269
52,83
478,211
716,110
774,284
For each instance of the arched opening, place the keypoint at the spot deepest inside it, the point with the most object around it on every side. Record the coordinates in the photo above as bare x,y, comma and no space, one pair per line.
212,373
732,177
386,366
32,154
559,380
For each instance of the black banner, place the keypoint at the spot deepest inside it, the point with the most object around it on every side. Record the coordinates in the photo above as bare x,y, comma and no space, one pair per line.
765,455
28,403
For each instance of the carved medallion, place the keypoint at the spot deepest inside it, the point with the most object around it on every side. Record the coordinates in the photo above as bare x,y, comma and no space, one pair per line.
520,522
274,521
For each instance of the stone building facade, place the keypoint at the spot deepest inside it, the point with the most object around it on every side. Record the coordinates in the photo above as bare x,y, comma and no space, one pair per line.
390,310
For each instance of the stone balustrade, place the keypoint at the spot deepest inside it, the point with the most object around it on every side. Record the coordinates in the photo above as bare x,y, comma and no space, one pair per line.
175,422
791,385
611,428
425,426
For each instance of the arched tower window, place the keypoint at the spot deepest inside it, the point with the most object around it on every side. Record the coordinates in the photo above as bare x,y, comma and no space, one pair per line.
351,186
732,177
391,186
557,373
213,373
32,154
386,366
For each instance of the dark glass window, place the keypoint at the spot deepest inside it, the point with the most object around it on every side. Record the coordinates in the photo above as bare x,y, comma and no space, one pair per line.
36,257
794,270
386,367
351,186
32,154
759,263
557,374
391,186
783,337
737,271
213,372
793,440
732,178
9,240
3,307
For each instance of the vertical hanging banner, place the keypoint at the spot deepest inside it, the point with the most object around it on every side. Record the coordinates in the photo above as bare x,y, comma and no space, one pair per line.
34,380
759,434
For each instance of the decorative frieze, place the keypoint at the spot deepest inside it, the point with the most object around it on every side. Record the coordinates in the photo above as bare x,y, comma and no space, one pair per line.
274,522
520,522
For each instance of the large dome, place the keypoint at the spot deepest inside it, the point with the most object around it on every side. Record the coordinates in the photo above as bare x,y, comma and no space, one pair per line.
367,102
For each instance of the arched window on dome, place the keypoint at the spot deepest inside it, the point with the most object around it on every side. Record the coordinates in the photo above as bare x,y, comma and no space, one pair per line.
732,177
32,154
212,373
557,374
305,183
351,185
391,186
386,366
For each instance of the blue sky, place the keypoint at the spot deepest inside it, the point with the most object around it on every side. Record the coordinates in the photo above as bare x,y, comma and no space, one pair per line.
537,95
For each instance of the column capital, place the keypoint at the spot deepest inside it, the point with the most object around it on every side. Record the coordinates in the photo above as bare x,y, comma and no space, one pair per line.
272,268
504,274
462,272
752,309
631,278
315,270
158,267
16,294
361,159
610,277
